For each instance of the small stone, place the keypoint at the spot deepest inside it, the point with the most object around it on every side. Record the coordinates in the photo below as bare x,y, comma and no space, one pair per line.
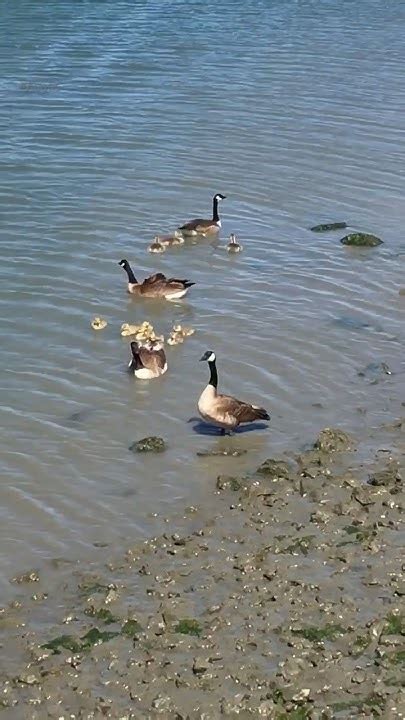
358,677
148,444
361,240
162,703
200,665
266,708
28,679
302,695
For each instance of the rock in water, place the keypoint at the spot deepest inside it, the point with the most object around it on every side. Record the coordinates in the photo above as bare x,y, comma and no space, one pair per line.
327,227
148,444
361,240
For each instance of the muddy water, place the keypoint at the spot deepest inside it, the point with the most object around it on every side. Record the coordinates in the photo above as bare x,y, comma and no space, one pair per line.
121,120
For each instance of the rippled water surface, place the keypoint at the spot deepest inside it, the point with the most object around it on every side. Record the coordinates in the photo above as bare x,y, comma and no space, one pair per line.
122,119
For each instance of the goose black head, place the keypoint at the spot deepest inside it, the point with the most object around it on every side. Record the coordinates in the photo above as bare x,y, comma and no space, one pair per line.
209,356
123,263
219,196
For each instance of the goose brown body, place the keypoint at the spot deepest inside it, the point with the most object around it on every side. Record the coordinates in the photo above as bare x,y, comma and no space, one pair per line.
148,360
225,411
155,286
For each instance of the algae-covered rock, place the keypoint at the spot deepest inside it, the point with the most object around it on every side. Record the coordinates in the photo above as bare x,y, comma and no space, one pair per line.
374,371
333,440
274,469
361,240
327,227
148,444
188,627
131,628
229,482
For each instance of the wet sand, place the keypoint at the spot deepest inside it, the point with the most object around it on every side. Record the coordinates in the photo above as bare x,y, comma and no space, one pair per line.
288,603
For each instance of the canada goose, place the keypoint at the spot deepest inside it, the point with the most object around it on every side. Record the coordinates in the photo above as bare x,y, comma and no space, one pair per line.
199,226
155,286
225,411
148,360
170,240
156,246
233,246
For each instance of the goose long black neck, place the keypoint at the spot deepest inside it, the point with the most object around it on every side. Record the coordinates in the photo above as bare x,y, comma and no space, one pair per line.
213,374
130,273
215,215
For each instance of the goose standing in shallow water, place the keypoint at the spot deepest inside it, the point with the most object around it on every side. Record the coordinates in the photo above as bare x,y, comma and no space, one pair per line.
155,286
148,360
199,226
225,411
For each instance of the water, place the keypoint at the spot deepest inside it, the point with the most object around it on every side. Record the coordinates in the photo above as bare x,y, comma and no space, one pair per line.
122,119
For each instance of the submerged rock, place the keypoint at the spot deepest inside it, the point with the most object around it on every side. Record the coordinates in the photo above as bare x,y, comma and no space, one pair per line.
327,227
333,440
274,469
229,482
361,240
148,444
374,371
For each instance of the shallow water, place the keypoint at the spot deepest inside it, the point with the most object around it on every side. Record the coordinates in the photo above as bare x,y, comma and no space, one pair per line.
120,120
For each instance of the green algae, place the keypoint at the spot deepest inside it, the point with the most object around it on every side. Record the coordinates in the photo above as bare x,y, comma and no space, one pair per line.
103,614
359,534
96,637
395,624
188,627
361,644
300,713
301,545
65,642
319,634
68,642
131,628
372,702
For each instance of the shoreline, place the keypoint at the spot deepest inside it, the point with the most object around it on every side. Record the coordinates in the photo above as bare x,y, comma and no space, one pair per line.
285,604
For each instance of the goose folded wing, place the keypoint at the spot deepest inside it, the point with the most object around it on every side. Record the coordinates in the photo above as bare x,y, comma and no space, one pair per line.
241,411
157,277
152,359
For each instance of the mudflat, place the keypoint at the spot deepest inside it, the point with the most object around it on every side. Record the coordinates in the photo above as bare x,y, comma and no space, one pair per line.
288,603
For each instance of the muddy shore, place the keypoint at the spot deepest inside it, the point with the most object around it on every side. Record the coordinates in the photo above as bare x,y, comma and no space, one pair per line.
288,603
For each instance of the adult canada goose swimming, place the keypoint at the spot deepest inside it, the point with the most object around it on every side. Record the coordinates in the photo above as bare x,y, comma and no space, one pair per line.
148,360
233,245
155,286
225,411
199,226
